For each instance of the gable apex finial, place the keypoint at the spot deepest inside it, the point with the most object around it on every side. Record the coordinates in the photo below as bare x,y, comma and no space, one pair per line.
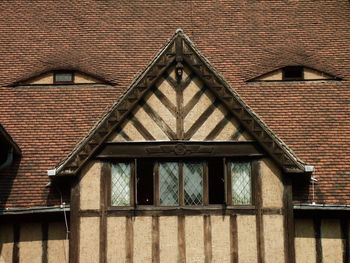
179,31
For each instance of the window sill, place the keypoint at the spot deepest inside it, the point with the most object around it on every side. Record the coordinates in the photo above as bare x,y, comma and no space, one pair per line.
185,210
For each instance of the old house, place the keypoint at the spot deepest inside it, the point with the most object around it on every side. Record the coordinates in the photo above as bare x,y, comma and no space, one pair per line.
124,138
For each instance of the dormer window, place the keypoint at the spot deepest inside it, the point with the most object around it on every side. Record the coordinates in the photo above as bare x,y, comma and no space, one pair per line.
63,77
293,73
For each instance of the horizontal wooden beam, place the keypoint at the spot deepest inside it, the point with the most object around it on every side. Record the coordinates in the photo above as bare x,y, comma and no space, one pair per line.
173,149
176,211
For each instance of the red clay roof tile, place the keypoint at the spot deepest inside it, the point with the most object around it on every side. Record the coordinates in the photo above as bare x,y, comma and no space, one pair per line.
116,40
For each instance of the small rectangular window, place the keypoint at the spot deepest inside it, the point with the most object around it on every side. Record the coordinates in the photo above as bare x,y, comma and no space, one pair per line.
241,183
293,73
193,186
63,77
169,183
120,183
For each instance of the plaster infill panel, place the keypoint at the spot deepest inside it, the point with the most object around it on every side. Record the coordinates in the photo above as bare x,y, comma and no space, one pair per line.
165,87
142,239
305,247
218,114
57,244
220,234
271,184
332,244
194,238
89,239
30,246
168,232
274,238
116,237
247,243
90,186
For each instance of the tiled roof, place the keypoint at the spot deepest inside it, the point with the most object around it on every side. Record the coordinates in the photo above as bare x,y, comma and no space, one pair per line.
116,40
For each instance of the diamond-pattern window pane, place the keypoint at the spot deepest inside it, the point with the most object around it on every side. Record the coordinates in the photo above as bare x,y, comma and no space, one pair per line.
169,183
193,175
241,183
121,174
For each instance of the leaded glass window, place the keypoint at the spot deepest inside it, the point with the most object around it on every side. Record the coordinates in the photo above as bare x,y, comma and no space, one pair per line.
193,185
120,182
169,183
241,183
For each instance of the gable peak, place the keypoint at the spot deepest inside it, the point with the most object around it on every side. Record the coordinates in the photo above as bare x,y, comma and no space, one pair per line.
180,52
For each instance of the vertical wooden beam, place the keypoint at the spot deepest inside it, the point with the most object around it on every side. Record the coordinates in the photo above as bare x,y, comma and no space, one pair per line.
256,176
180,111
74,223
16,237
345,237
156,195
233,239
129,239
181,185
105,173
208,253
344,224
155,240
318,241
45,237
288,220
181,240
205,184
228,183
132,185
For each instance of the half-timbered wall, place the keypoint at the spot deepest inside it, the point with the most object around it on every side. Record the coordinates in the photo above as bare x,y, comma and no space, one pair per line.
188,111
212,236
322,238
33,242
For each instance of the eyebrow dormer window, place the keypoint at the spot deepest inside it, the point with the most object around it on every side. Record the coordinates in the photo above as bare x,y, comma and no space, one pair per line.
63,77
293,73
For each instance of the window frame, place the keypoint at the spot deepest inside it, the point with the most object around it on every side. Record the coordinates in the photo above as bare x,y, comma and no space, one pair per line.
181,186
284,78
132,184
205,192
228,182
55,81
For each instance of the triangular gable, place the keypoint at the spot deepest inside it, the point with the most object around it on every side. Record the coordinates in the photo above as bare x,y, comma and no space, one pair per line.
180,52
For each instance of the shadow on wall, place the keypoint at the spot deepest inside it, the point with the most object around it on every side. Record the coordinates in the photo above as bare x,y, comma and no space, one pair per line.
7,177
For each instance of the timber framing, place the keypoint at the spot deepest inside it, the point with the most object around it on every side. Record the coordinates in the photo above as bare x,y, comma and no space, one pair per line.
180,49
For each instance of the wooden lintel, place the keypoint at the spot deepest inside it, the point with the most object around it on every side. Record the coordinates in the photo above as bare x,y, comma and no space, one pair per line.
173,149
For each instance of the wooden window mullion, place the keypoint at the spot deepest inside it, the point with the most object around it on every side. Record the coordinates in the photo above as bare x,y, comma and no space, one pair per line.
205,193
132,184
181,185
156,195
228,183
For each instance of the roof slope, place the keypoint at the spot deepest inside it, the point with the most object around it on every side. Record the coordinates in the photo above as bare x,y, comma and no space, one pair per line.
115,40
